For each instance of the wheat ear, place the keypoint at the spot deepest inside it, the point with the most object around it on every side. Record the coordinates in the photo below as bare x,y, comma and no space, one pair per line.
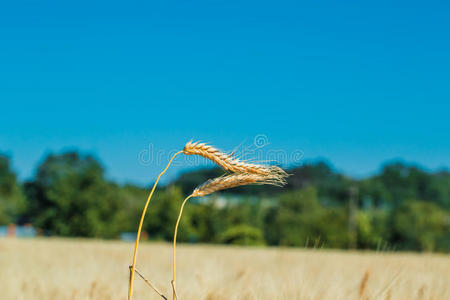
217,184
235,180
227,161
136,246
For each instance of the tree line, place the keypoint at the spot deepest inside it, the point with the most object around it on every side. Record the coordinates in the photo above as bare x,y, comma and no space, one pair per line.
403,207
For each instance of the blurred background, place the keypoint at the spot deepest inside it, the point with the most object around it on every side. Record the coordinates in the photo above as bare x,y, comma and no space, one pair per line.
351,98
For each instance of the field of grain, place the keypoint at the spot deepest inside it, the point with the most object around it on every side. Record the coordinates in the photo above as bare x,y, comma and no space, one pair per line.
89,269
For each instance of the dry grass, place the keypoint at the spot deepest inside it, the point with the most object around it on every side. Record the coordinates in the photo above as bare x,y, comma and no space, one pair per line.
83,269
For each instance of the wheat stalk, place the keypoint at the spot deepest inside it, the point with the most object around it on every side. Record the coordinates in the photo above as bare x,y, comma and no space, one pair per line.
138,236
363,284
227,161
246,173
217,184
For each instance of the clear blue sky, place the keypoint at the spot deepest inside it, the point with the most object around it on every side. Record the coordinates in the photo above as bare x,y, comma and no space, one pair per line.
355,82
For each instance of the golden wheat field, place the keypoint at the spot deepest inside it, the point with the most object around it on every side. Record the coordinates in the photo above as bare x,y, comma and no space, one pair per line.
91,269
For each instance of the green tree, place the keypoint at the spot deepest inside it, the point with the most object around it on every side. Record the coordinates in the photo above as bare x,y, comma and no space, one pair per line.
405,182
372,229
133,200
333,227
372,192
332,188
207,220
71,197
296,220
421,225
162,215
243,235
440,189
12,200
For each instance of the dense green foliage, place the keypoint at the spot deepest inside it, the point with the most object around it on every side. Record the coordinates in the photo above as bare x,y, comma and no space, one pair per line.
70,197
402,207
12,200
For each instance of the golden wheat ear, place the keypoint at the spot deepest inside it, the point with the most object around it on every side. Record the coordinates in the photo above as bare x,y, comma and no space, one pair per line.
235,180
229,162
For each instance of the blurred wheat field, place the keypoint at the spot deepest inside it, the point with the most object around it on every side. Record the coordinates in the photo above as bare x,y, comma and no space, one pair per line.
92,269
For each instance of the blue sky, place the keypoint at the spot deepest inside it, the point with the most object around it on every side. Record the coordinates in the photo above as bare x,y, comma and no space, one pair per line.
356,83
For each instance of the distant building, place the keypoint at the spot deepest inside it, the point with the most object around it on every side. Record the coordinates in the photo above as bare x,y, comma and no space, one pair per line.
131,236
25,231
222,200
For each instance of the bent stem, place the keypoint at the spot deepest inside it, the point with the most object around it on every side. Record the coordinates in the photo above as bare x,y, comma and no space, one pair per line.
175,244
136,246
174,291
150,284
